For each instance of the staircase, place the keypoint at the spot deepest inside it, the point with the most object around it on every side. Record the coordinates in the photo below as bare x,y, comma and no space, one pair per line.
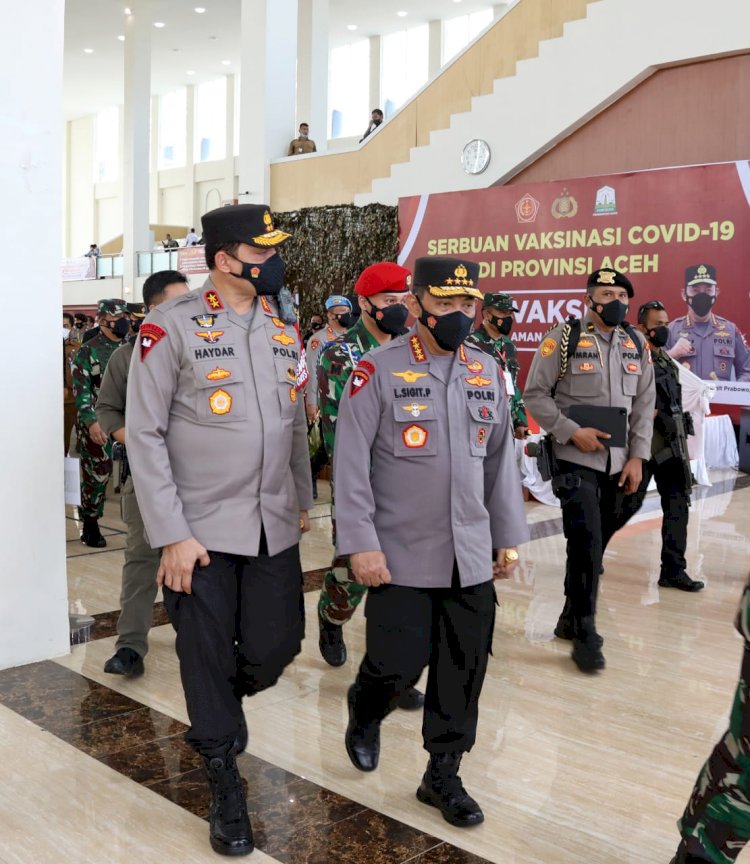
574,77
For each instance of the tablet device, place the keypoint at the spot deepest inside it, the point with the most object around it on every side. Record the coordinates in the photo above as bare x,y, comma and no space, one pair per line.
605,418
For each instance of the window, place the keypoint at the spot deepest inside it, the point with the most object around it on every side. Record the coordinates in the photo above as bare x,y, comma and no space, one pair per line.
458,32
349,89
107,146
172,117
405,65
210,121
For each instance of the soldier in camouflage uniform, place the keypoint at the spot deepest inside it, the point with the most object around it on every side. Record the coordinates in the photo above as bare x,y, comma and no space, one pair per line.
380,289
715,826
93,445
493,338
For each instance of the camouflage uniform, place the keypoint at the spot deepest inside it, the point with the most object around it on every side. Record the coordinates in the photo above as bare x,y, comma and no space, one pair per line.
340,594
504,352
716,823
96,462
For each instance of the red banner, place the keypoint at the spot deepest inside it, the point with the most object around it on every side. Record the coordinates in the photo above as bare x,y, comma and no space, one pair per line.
539,241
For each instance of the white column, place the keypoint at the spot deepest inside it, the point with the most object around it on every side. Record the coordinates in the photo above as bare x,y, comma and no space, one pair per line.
33,584
312,69
153,185
189,156
228,173
268,93
136,150
375,89
435,49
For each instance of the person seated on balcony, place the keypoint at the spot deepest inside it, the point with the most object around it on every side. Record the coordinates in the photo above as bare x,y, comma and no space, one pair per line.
94,251
303,143
169,243
376,120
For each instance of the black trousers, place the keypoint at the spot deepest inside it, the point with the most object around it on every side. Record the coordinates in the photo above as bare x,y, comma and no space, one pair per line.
449,630
242,625
675,504
592,512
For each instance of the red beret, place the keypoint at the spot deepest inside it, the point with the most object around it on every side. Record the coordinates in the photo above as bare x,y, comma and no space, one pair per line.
386,277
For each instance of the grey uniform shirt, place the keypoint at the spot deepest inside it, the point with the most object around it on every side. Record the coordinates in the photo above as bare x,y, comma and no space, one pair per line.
603,371
315,345
216,431
424,464
110,404
718,349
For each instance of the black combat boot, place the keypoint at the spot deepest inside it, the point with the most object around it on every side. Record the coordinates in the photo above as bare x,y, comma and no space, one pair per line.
441,787
410,699
331,642
680,581
587,646
565,627
362,738
125,662
229,825
90,535
683,857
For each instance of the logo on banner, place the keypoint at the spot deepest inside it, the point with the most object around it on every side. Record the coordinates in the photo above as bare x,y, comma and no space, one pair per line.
527,209
564,207
606,202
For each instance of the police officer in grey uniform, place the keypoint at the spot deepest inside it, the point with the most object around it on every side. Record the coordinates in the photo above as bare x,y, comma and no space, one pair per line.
607,366
217,442
711,347
139,586
429,507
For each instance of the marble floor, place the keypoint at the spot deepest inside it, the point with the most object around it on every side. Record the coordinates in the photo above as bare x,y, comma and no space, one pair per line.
568,768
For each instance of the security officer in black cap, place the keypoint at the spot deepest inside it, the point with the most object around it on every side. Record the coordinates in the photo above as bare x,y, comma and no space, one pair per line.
589,364
217,442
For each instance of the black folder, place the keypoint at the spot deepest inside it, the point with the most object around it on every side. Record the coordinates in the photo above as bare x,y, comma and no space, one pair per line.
605,418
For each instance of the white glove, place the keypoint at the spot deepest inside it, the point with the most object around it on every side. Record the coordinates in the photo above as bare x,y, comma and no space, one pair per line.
680,348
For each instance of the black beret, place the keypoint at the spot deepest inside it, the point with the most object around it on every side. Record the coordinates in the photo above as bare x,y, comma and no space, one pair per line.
608,276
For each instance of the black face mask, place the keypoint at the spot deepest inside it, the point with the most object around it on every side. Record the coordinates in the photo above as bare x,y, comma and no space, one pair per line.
390,320
658,336
347,320
266,278
120,327
613,313
135,324
504,325
701,304
449,330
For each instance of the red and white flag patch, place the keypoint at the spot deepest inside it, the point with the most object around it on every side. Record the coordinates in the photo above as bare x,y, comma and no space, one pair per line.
148,336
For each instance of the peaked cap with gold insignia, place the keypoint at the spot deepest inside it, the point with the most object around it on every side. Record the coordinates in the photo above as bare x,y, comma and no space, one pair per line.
447,277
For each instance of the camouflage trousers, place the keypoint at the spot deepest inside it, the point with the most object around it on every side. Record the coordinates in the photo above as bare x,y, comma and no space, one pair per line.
716,821
96,469
340,594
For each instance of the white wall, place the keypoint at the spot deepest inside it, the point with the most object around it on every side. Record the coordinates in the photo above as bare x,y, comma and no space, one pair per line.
80,177
33,586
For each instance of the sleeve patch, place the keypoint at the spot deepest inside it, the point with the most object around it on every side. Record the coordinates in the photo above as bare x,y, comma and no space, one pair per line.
360,378
548,346
148,336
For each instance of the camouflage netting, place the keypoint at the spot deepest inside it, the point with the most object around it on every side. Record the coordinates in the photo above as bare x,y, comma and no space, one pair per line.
331,247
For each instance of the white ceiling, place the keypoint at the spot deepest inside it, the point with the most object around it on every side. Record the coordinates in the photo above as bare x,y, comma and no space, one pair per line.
201,42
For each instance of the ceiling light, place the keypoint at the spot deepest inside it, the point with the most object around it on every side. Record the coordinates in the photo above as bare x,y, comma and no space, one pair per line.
200,9
159,24
402,14
88,50
351,27
190,72
127,10
226,62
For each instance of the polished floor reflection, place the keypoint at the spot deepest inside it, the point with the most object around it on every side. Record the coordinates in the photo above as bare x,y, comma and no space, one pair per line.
568,768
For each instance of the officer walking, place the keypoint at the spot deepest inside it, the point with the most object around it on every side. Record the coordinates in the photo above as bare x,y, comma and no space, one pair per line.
714,826
339,320
93,446
217,443
139,586
381,289
599,361
493,337
669,462
429,509
711,347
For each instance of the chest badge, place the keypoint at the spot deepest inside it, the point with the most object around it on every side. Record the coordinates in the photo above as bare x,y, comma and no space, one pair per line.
585,343
207,320
415,437
414,409
220,402
475,366
209,336
218,374
628,343
481,436
409,376
632,367
586,367
284,338
478,381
